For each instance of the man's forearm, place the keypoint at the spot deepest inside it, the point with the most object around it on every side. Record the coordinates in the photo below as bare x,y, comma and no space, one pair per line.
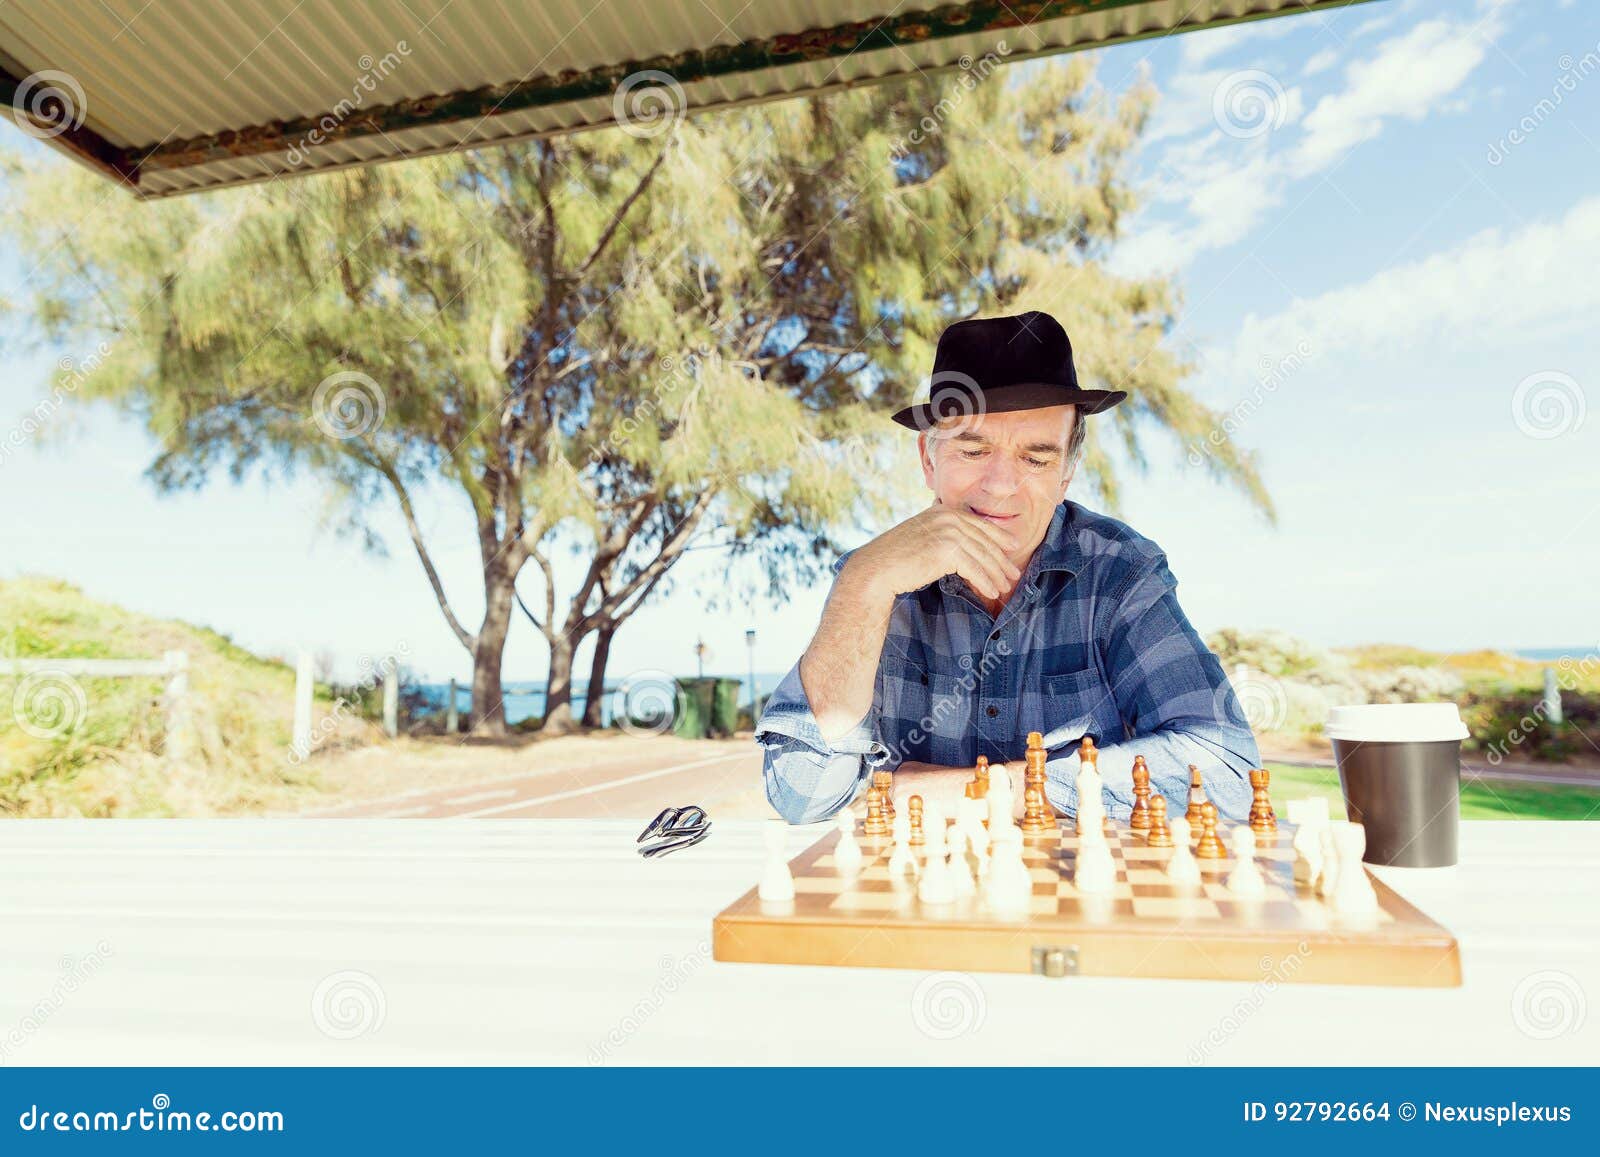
840,667
945,787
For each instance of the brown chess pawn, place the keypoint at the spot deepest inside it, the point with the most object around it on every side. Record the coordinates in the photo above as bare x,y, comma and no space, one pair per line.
876,824
1139,820
1262,818
914,806
1197,797
884,782
1088,752
1160,833
1034,820
1210,846
980,777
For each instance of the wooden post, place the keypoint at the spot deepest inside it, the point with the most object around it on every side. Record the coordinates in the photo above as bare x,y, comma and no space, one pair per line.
1552,698
452,720
304,684
177,705
391,698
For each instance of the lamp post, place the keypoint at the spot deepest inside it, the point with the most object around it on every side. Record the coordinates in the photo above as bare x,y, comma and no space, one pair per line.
700,658
750,642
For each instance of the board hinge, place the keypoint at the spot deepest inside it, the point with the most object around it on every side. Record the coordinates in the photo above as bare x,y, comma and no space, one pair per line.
1053,961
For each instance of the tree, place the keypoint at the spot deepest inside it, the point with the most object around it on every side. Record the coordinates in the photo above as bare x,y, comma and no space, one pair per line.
622,341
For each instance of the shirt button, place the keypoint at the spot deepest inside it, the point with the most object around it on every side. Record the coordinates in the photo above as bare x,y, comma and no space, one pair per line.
992,711
993,635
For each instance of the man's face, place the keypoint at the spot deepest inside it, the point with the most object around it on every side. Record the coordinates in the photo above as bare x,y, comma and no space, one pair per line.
1011,468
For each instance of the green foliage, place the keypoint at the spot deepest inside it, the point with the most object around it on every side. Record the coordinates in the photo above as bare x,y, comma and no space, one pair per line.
1480,799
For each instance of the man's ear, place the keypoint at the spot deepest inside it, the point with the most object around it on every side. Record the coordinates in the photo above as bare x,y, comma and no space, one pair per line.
926,455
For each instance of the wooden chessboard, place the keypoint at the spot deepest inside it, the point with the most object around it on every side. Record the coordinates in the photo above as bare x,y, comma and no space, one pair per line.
1143,928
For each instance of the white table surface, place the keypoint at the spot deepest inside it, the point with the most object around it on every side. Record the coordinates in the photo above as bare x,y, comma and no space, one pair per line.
552,942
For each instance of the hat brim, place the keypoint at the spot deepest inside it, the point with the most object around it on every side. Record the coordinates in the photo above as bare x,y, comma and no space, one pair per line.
1008,399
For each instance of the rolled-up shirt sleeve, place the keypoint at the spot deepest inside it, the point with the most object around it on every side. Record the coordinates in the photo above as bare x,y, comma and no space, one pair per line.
808,779
1175,701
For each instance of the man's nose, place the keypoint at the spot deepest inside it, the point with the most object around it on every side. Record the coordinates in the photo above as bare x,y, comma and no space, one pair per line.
1002,474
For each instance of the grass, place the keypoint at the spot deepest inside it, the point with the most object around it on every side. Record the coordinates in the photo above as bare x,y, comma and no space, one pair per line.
107,757
1480,800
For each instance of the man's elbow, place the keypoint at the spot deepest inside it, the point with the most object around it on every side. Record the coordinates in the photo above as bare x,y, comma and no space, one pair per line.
794,781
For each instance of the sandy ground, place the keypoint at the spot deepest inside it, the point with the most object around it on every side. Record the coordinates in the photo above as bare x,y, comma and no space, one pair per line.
602,775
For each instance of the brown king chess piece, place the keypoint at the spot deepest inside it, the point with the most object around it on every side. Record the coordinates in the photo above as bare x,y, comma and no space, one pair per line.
1160,832
1139,819
1263,821
1037,757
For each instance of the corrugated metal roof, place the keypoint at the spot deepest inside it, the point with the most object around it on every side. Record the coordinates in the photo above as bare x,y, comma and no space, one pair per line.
177,95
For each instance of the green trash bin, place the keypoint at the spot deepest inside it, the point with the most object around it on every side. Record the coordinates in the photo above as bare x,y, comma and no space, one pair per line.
693,716
725,708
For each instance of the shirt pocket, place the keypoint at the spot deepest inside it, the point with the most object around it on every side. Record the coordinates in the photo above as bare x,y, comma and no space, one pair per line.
1079,702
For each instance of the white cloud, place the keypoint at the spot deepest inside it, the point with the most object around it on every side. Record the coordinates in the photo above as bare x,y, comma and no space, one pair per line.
1535,282
1321,62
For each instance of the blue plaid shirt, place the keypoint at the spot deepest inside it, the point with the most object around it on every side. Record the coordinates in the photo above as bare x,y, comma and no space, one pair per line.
1092,642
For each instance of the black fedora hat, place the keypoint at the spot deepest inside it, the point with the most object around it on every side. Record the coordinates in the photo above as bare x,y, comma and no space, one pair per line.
993,365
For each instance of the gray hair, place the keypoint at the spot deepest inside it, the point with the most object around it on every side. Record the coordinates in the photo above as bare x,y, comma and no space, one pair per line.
1078,437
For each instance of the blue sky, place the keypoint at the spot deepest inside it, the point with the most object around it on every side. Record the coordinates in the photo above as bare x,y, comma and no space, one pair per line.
1392,298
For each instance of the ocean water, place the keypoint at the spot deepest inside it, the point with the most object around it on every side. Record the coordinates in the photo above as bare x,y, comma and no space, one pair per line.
525,700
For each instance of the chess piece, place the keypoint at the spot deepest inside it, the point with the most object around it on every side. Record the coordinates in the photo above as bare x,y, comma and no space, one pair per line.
1088,754
934,886
1139,820
1183,870
980,777
1332,867
901,860
1094,868
1309,817
1008,888
918,835
1210,846
962,882
1262,818
877,823
1033,821
884,782
847,853
1246,880
1197,797
1159,834
1089,786
1353,894
999,799
777,884
1037,757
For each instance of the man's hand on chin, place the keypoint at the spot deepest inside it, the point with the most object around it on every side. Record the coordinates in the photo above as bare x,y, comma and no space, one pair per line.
946,787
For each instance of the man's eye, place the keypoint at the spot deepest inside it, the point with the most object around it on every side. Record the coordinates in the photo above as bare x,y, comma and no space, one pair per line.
1036,463
971,453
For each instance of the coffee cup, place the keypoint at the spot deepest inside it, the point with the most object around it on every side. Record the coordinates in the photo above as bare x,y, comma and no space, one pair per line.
1400,768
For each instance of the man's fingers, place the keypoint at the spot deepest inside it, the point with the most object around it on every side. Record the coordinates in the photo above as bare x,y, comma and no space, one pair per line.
980,537
983,569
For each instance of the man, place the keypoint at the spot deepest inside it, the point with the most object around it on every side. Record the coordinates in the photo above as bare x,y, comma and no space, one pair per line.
1003,609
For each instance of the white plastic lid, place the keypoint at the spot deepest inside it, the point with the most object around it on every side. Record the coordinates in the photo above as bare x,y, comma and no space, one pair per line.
1396,722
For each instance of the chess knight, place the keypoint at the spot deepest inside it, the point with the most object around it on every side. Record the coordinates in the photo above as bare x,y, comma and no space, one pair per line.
1004,608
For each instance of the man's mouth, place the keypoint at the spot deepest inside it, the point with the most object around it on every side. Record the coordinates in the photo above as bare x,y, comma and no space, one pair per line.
991,517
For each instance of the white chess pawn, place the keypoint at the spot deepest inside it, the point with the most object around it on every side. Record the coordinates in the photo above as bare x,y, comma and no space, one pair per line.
847,853
1353,894
935,887
776,882
1008,889
1095,869
1183,870
901,860
1309,817
961,880
1246,880
1328,877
